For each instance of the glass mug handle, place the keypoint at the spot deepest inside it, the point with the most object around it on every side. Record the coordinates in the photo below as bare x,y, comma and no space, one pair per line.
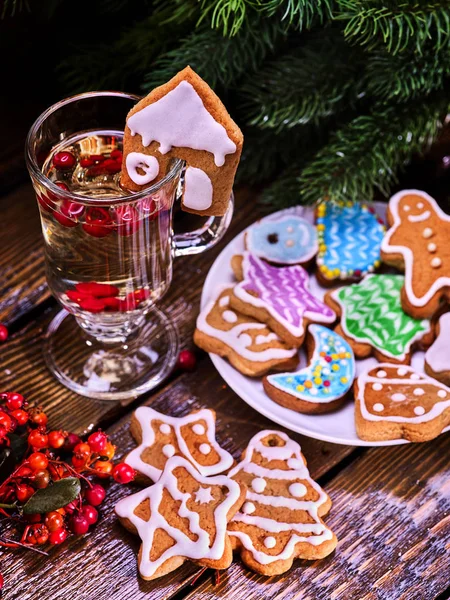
207,236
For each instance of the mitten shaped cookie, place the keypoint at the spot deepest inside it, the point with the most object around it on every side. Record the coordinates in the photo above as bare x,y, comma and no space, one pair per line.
277,296
160,437
251,347
393,402
418,243
183,119
281,518
323,385
373,322
182,517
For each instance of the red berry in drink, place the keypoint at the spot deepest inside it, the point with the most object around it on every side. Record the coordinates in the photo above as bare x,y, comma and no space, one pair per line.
117,155
97,441
86,163
64,220
127,219
149,208
45,203
95,495
98,290
64,160
112,303
98,158
89,513
38,461
111,165
187,360
62,185
70,213
98,222
3,333
123,473
21,416
79,524
14,401
71,441
57,537
93,305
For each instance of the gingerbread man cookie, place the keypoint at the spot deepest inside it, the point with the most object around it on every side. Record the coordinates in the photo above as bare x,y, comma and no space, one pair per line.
418,242
183,119
281,518
393,402
350,237
182,517
160,437
321,386
437,358
373,322
286,240
249,346
278,296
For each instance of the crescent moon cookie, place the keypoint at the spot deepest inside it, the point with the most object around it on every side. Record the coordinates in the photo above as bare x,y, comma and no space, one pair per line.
393,402
277,296
373,322
285,240
281,518
160,437
251,347
437,357
183,119
322,386
418,243
350,237
182,517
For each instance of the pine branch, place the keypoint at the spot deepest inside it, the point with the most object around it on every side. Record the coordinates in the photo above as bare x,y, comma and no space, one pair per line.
285,190
302,14
396,24
367,152
219,60
13,7
406,75
318,80
226,15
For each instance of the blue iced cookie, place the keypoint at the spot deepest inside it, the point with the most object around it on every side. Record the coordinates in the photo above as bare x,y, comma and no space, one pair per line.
350,238
323,384
286,240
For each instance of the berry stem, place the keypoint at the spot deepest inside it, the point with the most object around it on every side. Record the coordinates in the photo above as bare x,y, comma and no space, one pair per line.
7,543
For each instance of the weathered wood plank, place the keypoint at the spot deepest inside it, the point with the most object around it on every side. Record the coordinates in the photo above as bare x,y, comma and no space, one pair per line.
103,564
391,514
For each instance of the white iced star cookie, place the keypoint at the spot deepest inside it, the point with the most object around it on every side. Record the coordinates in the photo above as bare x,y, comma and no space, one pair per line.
182,517
160,437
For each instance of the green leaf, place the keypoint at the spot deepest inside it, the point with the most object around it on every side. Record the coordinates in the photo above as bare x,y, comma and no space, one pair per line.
7,462
53,497
19,445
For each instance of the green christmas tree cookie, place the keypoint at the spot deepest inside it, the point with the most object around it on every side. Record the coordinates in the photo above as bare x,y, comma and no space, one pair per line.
373,322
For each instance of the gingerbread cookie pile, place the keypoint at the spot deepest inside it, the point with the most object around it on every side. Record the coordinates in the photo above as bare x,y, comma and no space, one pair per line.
261,321
267,506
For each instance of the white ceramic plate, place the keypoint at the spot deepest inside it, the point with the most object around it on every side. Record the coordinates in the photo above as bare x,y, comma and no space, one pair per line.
337,426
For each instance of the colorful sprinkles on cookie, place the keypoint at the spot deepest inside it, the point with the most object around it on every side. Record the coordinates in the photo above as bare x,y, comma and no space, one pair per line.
372,314
330,373
286,240
350,237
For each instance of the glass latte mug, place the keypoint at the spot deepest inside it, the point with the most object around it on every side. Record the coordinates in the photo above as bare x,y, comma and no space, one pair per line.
108,252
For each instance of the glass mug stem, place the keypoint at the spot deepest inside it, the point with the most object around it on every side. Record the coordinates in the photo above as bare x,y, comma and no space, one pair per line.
108,252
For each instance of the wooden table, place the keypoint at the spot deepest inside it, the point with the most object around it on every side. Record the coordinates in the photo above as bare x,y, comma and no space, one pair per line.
391,506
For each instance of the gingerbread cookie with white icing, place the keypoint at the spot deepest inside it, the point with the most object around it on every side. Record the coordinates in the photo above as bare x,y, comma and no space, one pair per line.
395,401
160,437
281,518
437,357
251,347
418,243
277,296
372,320
321,386
285,240
183,119
182,517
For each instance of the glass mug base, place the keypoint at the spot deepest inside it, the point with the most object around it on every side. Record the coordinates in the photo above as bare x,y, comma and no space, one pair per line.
112,371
